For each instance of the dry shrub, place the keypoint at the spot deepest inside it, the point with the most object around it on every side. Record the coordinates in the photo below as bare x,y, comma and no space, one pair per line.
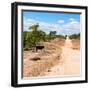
35,68
76,44
47,59
54,44
59,41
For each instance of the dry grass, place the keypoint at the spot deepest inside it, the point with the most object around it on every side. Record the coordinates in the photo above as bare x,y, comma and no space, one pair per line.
35,67
76,44
36,63
59,42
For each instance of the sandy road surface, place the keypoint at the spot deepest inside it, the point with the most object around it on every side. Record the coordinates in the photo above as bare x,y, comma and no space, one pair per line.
69,64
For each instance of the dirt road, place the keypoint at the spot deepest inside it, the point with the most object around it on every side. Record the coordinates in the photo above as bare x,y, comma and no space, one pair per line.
69,63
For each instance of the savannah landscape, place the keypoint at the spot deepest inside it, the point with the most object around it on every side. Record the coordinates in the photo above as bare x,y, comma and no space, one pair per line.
51,44
50,54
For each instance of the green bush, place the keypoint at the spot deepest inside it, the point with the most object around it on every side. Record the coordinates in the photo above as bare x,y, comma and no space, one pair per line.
31,38
75,36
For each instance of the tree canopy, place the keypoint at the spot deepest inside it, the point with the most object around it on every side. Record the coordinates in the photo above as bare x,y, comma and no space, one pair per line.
35,35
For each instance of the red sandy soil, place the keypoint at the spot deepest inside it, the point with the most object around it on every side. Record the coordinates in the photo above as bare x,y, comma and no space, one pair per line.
69,64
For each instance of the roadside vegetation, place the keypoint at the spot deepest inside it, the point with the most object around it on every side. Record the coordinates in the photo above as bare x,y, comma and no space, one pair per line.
35,36
75,36
38,61
75,41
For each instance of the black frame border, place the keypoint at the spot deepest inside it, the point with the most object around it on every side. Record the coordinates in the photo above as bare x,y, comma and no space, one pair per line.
14,43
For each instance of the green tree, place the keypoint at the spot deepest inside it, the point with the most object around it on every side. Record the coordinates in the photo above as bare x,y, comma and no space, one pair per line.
36,35
52,34
75,36
26,39
34,27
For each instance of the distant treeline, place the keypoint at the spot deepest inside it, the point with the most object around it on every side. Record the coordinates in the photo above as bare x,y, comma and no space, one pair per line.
75,36
35,36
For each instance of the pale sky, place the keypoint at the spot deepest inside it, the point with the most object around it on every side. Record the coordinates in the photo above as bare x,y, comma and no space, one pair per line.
63,23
